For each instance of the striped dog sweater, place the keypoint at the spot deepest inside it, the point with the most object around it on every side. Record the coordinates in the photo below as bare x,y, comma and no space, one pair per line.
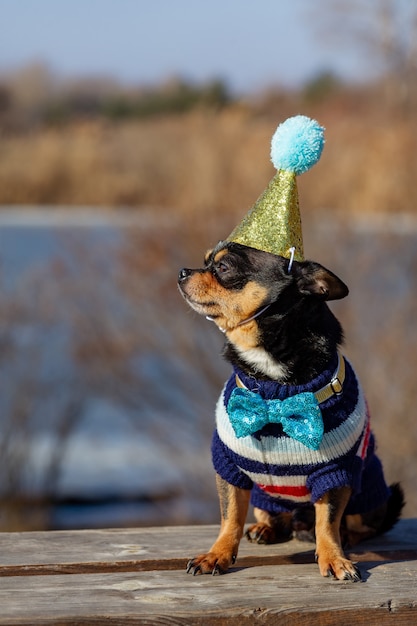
283,473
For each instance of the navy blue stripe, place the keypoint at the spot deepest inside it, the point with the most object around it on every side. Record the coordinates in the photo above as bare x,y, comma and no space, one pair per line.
224,463
224,459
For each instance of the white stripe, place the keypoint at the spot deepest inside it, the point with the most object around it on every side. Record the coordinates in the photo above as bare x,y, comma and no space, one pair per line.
276,481
287,451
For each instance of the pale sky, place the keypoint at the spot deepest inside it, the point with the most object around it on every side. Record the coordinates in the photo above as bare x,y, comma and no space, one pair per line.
250,44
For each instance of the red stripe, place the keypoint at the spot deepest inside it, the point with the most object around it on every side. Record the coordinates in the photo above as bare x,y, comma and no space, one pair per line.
295,492
363,447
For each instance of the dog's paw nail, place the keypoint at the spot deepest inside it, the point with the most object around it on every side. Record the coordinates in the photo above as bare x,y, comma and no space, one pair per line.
193,569
217,570
354,576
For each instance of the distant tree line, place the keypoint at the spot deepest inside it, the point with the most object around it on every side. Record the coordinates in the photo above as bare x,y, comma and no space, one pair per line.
34,95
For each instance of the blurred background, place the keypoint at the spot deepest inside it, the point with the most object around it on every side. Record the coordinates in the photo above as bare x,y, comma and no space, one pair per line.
133,136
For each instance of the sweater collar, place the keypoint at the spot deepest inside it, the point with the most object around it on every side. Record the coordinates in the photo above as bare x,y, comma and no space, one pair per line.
270,390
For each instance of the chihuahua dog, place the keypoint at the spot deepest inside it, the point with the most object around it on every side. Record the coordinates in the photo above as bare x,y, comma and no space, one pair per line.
292,425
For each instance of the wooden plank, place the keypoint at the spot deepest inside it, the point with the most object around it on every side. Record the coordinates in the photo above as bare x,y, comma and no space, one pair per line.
167,548
270,595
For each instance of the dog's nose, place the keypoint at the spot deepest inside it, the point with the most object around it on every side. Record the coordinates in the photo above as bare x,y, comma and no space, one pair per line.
184,273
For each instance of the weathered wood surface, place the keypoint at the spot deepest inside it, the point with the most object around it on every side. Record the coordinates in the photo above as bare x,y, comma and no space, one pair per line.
138,577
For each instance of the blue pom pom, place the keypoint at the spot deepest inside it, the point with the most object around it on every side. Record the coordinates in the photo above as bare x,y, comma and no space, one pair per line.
297,144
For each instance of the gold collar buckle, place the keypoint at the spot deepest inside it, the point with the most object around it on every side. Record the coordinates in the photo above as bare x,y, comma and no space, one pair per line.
337,386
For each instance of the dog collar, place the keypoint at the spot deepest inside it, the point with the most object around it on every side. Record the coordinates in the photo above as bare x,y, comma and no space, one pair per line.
254,316
333,388
243,322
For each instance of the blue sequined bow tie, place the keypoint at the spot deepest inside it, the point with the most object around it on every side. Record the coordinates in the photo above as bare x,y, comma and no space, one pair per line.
299,415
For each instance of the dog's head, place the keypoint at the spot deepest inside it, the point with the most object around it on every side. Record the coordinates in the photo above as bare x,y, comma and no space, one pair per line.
259,301
237,283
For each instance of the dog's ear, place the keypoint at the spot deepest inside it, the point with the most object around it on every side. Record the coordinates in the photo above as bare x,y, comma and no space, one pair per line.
315,280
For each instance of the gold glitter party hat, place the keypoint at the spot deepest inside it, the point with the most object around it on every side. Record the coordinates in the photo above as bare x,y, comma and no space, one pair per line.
274,222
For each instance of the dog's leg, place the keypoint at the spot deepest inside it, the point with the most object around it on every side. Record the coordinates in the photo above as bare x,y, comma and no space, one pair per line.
379,520
355,529
329,553
270,528
234,504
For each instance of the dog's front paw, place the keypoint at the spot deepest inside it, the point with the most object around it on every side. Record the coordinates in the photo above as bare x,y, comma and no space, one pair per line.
338,567
210,563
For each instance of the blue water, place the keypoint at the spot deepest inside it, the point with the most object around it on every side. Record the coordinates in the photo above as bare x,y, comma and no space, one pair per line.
33,243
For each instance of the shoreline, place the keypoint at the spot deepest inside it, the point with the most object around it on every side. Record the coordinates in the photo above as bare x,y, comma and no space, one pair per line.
27,216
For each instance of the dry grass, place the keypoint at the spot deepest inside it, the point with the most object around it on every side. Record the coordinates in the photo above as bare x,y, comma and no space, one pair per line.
204,163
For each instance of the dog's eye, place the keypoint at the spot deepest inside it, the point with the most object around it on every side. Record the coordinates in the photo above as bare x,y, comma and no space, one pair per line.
221,268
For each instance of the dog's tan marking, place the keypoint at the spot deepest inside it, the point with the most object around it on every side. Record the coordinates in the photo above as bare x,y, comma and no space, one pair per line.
234,503
356,530
228,308
220,255
208,255
244,338
355,524
331,560
239,306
